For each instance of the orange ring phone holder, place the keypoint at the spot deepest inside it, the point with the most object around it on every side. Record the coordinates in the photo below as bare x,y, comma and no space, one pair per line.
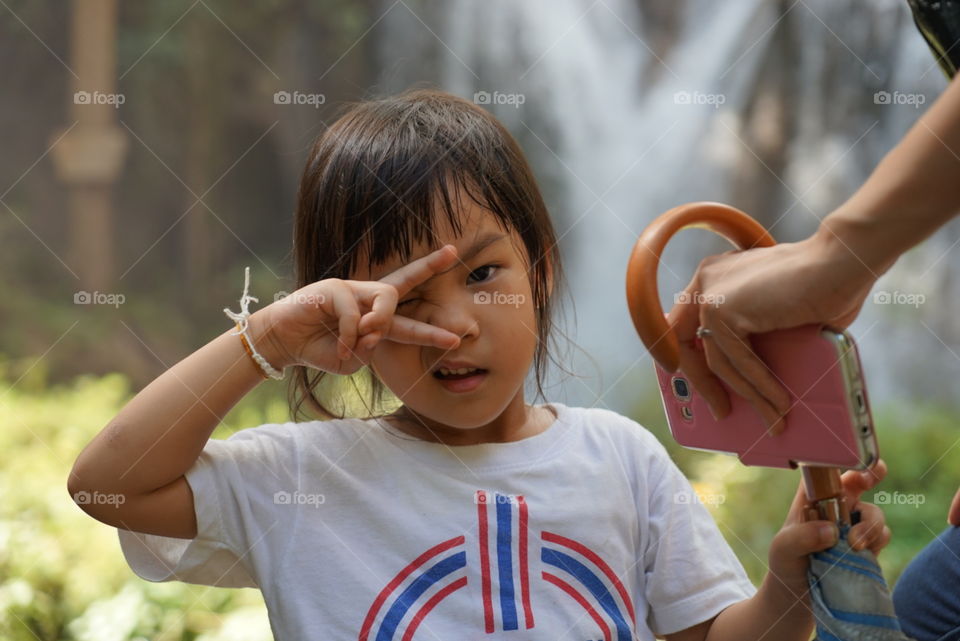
822,484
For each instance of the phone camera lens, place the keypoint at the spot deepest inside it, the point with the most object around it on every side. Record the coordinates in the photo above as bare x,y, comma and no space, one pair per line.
681,389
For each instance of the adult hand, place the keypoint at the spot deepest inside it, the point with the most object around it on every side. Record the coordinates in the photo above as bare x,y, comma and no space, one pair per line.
738,293
953,517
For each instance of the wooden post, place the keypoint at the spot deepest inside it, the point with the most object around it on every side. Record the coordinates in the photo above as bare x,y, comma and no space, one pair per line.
90,156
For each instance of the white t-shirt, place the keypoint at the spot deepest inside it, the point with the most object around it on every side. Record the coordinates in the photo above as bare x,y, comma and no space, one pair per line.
354,530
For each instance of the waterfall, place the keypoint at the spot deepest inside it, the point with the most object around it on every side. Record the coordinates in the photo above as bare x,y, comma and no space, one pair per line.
630,108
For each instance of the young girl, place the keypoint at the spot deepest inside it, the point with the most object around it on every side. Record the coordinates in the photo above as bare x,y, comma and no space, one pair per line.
426,260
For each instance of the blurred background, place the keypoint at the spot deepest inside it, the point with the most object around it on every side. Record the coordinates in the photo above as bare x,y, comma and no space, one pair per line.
152,150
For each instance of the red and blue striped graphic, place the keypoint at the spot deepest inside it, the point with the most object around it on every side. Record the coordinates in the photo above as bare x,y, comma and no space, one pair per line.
504,566
567,565
410,596
588,580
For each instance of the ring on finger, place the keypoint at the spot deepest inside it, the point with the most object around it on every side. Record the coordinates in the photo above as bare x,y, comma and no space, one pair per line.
703,332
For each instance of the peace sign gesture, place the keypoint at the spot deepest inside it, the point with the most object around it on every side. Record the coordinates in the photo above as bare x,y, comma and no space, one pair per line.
334,325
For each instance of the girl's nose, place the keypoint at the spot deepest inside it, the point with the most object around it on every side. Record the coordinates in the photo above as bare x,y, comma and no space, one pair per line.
457,317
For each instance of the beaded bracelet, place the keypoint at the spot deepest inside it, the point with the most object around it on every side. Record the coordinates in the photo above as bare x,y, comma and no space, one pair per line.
242,321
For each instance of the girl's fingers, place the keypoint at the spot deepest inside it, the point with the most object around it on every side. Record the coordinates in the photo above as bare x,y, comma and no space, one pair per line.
380,299
870,530
369,341
383,319
406,330
797,540
420,270
882,541
348,317
857,482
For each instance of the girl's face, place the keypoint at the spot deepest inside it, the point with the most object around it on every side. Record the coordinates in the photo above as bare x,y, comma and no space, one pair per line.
486,299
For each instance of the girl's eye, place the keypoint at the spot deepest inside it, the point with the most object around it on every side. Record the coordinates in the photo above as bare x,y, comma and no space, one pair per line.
488,269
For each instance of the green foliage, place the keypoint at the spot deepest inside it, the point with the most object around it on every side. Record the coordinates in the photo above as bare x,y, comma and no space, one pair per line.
62,575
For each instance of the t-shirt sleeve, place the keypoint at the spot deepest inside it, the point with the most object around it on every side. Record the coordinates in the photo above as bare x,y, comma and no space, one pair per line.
234,482
691,573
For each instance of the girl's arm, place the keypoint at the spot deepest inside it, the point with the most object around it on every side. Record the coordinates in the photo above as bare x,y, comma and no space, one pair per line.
761,617
776,611
140,457
332,325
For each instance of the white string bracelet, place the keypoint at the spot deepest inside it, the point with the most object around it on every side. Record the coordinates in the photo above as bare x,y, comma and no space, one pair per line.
243,324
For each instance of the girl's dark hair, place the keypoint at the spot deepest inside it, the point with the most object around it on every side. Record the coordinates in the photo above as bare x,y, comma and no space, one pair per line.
371,187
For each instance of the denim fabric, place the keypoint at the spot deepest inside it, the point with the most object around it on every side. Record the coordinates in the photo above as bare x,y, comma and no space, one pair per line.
927,596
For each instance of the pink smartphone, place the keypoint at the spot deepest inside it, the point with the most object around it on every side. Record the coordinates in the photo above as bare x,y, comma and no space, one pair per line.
829,423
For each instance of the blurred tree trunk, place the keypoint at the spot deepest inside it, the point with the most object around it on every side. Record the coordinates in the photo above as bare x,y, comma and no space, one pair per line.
305,47
202,233
768,126
89,154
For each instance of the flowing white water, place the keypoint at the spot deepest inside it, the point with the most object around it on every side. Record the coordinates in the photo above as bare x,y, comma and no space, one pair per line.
629,109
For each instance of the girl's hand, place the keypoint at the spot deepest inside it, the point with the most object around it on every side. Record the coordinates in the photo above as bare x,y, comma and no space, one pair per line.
799,537
333,325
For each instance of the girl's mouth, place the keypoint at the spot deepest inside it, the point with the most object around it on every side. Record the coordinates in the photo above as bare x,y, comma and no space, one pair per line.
452,375
461,383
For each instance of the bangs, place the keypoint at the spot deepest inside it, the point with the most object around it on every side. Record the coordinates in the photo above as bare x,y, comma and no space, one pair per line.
385,173
400,216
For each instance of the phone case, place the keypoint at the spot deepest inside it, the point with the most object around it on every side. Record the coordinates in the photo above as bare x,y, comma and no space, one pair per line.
829,423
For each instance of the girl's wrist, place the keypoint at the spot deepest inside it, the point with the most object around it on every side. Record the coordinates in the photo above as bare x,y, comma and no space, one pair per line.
790,602
264,340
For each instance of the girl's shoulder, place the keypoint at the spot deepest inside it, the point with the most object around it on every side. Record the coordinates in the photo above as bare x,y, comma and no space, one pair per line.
601,418
623,431
295,436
